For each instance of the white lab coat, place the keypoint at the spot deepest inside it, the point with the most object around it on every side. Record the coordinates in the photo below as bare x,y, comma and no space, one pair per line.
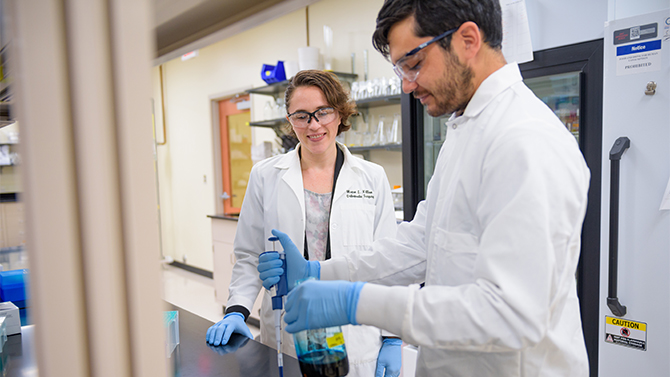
497,241
362,212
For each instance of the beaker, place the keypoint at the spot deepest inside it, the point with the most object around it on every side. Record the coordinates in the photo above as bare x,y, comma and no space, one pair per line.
321,352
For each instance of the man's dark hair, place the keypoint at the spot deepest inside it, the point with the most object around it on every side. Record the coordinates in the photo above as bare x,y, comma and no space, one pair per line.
434,17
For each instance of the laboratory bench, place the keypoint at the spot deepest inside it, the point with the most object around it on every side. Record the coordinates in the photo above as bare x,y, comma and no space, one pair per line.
192,357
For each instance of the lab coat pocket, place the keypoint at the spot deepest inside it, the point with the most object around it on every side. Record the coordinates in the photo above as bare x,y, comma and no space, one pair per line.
453,257
357,225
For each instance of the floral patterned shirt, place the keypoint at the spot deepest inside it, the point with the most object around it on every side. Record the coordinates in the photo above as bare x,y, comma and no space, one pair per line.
317,211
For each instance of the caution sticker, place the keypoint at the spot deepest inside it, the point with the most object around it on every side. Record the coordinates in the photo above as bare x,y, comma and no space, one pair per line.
336,340
626,333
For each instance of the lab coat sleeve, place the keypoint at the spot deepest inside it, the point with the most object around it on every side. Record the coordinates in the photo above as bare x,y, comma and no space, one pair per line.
392,260
385,222
532,201
248,245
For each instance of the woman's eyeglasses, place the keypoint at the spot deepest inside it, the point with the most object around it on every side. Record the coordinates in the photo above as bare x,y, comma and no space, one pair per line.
301,118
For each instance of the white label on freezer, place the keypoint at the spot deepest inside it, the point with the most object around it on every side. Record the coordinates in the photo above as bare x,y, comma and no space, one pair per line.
638,58
626,333
665,203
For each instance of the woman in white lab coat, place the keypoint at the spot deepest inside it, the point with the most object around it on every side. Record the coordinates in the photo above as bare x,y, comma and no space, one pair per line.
293,192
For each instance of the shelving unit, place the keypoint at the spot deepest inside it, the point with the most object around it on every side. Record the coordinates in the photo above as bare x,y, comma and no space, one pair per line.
388,147
270,123
277,89
378,101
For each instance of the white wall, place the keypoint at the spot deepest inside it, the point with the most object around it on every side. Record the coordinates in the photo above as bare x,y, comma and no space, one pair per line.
559,23
185,164
629,8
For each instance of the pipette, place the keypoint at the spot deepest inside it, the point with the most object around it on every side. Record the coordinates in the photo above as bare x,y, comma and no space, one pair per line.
279,290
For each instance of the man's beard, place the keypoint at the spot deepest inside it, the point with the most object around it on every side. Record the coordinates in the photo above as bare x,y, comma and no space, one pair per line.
454,90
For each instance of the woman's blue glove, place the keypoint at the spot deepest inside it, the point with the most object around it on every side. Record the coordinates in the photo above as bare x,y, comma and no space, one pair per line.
270,267
220,332
390,358
236,342
319,304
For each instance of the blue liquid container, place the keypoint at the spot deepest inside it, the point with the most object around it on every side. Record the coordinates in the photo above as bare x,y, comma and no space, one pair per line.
321,352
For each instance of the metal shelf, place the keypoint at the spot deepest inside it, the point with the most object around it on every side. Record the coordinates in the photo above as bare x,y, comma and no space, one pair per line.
274,90
388,147
270,123
378,101
278,88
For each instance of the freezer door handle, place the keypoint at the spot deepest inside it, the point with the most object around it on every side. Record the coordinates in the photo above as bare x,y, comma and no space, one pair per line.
619,147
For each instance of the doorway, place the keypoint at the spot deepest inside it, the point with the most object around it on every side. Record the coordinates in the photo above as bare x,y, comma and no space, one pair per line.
236,162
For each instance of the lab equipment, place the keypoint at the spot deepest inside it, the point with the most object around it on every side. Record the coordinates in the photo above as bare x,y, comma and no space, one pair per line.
279,290
271,268
3,331
273,73
171,324
12,317
14,286
321,352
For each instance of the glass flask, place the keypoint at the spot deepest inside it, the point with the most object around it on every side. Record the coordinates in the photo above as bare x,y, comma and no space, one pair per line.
321,352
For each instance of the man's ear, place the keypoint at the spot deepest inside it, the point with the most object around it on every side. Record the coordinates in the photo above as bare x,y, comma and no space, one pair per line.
469,39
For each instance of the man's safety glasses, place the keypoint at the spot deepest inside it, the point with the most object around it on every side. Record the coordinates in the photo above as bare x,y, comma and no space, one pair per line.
409,65
301,118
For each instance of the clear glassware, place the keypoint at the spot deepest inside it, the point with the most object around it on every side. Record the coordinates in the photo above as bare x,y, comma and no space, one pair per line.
394,85
321,352
376,88
380,133
268,111
354,91
383,87
279,109
395,133
371,89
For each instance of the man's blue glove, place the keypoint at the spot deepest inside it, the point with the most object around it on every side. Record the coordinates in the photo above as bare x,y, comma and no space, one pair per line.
220,332
320,304
390,358
269,265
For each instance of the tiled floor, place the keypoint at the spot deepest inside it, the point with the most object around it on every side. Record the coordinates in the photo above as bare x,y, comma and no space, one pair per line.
194,293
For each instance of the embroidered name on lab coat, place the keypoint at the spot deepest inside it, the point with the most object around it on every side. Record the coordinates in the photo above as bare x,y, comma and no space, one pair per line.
360,194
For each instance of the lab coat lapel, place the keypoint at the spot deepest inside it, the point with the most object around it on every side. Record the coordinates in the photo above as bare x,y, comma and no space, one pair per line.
346,178
291,185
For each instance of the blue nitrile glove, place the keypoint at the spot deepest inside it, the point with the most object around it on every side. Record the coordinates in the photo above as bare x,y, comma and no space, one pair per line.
220,332
319,304
234,343
390,358
269,265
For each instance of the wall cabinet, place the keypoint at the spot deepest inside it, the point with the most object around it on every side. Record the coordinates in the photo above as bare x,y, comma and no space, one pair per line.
223,234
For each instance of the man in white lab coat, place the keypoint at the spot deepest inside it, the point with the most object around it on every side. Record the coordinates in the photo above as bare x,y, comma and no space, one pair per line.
497,239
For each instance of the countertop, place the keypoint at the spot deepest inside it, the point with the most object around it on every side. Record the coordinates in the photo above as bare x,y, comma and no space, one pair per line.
192,357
